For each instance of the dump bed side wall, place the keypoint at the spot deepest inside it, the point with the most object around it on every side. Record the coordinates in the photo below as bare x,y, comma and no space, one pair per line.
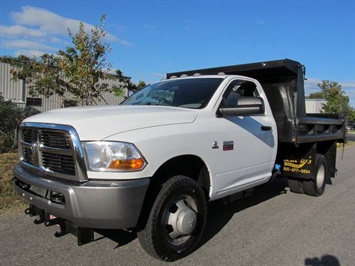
282,101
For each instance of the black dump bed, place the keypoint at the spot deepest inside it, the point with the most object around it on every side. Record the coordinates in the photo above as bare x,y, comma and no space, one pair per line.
283,83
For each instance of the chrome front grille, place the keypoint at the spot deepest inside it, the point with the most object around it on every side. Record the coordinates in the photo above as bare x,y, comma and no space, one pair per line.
56,139
59,163
27,135
53,150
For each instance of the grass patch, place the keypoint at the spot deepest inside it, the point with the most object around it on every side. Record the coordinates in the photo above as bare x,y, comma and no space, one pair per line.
9,202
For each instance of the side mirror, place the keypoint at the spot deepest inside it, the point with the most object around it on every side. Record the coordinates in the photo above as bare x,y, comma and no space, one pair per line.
245,106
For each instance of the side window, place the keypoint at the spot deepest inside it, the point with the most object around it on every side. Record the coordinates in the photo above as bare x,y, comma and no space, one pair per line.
237,89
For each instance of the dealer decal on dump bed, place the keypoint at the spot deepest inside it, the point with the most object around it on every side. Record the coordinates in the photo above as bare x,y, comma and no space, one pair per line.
302,166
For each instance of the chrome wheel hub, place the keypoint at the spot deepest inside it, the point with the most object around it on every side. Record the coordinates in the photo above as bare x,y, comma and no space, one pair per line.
181,219
320,176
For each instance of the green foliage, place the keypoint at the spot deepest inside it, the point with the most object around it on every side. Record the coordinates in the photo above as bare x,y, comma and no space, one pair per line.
351,114
85,64
76,74
316,95
126,84
141,84
336,99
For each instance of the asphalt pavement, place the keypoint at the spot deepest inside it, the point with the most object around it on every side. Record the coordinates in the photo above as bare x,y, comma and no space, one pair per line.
271,227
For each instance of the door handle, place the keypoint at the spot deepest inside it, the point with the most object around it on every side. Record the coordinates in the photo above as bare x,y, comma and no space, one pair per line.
265,128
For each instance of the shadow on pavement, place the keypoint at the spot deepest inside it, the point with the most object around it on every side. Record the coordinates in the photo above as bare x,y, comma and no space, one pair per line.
220,213
326,260
121,237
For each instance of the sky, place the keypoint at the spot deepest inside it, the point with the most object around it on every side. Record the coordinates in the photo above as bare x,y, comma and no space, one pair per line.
151,38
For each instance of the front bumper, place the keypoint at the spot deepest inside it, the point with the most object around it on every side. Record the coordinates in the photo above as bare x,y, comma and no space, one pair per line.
94,204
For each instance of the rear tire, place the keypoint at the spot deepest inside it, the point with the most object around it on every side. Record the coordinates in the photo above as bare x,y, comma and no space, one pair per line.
316,186
176,221
295,185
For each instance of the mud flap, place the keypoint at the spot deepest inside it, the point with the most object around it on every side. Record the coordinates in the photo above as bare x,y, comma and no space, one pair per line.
301,163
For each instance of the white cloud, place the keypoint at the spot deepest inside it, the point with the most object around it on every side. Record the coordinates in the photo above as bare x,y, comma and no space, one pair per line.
42,26
53,23
17,30
123,42
159,75
29,53
347,86
47,21
26,44
55,39
311,85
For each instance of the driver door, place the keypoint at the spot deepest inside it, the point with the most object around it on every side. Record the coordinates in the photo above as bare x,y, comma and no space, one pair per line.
246,144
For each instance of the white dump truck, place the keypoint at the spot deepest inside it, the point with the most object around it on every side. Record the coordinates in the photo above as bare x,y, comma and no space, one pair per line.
152,163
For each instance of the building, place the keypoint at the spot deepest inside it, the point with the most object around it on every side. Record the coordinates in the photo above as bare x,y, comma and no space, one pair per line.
314,106
16,91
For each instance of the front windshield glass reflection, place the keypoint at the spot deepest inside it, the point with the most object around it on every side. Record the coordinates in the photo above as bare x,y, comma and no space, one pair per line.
192,93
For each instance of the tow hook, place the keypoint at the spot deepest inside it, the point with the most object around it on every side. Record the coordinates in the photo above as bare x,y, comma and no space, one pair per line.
84,235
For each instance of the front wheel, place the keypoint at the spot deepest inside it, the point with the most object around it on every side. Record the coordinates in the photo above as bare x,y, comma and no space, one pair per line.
176,221
316,186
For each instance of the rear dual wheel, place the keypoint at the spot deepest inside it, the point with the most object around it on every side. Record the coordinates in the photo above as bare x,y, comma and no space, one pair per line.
316,185
295,185
176,221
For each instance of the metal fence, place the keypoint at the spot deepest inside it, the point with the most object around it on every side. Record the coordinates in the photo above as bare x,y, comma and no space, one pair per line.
11,115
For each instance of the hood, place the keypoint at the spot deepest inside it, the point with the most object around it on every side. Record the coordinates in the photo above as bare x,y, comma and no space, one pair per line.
97,123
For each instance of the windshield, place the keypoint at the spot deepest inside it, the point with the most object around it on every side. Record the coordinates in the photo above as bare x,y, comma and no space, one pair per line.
192,93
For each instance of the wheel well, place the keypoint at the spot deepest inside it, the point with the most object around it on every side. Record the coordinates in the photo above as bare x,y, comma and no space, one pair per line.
187,165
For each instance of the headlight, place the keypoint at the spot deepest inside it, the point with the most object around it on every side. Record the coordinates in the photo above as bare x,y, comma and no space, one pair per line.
113,156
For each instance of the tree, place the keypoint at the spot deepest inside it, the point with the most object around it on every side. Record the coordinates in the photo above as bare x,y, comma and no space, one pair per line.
127,84
84,65
336,99
316,95
76,74
351,114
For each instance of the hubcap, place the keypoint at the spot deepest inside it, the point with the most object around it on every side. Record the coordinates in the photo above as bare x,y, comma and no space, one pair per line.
320,176
186,221
181,218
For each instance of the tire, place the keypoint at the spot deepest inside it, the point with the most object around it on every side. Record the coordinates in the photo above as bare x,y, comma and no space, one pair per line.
177,220
316,186
295,185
